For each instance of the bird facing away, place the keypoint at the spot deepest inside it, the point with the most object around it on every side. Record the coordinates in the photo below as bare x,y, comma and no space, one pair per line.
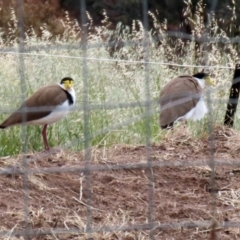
46,106
181,99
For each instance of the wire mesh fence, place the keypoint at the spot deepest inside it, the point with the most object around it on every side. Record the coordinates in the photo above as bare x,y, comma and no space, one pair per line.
148,108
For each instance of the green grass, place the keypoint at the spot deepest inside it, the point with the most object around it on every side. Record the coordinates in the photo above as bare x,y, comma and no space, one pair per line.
109,82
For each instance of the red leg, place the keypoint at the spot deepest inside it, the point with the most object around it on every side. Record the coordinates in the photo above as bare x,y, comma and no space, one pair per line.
44,135
185,127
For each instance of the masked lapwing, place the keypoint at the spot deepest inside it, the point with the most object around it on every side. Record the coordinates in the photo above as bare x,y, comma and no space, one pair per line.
46,106
181,99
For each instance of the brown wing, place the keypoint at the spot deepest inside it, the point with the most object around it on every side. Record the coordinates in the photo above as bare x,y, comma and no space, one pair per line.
177,98
48,97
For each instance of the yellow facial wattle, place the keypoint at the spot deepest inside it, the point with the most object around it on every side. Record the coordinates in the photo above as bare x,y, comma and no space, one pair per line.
68,84
209,81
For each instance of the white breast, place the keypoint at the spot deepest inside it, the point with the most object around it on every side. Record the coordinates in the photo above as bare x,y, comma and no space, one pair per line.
57,114
197,113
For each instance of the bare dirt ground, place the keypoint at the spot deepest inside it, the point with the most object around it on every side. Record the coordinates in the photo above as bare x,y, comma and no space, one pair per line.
183,191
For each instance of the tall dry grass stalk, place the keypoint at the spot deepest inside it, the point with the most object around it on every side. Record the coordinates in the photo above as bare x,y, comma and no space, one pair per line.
116,77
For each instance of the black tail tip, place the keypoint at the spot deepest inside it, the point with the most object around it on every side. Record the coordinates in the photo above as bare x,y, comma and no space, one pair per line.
168,126
2,127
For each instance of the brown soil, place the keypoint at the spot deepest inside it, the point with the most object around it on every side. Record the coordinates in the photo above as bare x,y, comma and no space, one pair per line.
183,193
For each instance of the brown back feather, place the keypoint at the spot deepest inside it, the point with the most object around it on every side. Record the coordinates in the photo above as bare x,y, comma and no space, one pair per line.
48,96
185,91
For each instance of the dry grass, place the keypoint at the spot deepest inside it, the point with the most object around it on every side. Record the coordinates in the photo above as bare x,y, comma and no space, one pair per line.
115,78
182,185
119,197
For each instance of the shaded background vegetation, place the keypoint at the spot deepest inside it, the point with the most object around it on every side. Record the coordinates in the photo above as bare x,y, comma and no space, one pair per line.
178,14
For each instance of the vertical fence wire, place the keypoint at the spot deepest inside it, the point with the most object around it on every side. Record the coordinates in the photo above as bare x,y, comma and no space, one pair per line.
86,112
21,66
147,120
210,124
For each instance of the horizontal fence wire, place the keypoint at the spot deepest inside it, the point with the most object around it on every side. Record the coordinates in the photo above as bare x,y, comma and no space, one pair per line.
127,43
136,227
150,109
109,167
125,61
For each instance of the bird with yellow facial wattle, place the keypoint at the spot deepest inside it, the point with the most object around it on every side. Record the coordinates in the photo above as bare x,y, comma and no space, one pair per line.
46,106
181,99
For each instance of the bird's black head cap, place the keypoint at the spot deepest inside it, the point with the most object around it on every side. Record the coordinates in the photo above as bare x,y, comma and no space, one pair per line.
200,75
66,79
